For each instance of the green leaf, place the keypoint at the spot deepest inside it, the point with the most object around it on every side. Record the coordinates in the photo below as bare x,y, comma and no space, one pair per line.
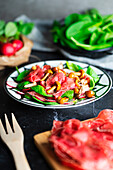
94,26
27,96
46,103
70,19
95,15
81,99
17,35
73,66
21,85
92,47
93,38
17,70
93,74
23,74
106,26
108,18
20,22
84,31
74,28
85,17
1,32
92,84
60,36
2,24
69,94
41,90
10,29
26,28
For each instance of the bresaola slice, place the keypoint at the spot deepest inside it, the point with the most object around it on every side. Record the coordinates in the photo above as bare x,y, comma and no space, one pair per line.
85,145
60,77
46,67
35,76
106,114
67,84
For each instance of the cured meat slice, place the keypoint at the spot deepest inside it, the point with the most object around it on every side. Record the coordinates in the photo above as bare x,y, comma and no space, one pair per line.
46,67
95,124
35,75
56,125
72,124
80,148
60,77
85,145
68,84
106,114
34,72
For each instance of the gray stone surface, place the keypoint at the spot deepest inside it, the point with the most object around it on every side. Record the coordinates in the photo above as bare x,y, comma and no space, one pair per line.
9,9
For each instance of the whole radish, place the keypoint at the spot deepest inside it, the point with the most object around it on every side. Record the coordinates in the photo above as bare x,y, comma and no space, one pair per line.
7,49
17,44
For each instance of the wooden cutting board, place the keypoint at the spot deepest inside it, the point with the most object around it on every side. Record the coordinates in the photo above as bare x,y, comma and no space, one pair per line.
41,141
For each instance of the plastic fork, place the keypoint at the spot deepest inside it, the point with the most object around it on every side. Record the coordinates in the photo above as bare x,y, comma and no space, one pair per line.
14,140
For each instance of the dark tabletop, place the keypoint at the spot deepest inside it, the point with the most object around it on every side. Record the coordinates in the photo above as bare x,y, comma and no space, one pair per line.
35,120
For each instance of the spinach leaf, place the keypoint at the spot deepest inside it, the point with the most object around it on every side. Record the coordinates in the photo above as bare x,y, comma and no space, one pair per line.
108,18
74,29
92,84
23,74
10,29
85,17
41,90
95,15
70,19
107,26
58,35
21,85
92,47
93,74
27,96
73,66
46,103
89,31
69,94
93,38
17,70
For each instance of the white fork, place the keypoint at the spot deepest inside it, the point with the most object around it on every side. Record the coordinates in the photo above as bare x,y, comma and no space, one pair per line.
14,141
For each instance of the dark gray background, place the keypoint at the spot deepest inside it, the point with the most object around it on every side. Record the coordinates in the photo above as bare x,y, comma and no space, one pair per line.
9,9
35,120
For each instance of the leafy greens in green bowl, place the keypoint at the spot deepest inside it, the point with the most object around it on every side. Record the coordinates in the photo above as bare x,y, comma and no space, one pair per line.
90,32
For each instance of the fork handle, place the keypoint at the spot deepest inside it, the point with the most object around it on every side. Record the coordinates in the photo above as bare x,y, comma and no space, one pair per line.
20,159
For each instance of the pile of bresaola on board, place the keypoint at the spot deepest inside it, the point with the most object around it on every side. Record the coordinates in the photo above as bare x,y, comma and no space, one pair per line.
86,145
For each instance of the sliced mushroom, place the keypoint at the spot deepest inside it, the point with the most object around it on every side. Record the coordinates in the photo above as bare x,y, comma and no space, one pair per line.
58,86
62,100
82,73
30,85
48,72
34,68
51,90
60,66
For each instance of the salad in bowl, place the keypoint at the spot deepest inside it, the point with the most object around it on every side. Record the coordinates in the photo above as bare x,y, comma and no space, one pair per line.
65,84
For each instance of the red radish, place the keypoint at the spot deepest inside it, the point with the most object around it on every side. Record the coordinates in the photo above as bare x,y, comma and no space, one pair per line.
7,49
17,44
